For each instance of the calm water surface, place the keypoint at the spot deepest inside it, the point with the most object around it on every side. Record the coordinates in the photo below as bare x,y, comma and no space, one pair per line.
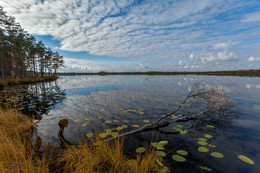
97,103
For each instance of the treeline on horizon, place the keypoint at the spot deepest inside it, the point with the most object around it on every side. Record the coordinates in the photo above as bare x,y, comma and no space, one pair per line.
21,55
251,72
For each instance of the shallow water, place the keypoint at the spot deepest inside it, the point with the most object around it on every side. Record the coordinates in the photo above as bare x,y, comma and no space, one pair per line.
96,103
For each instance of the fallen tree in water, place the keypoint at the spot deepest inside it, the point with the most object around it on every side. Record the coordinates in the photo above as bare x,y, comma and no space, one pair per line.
212,100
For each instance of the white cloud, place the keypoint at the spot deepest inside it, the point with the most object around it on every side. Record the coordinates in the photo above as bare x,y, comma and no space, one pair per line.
252,17
149,30
251,58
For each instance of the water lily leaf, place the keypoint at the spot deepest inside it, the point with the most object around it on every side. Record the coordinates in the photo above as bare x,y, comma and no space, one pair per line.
174,116
246,159
108,121
210,126
163,142
183,132
202,139
141,113
177,129
120,128
89,135
182,152
126,121
124,126
78,120
116,121
180,115
158,107
131,162
208,136
140,110
146,121
206,168
140,150
157,145
217,155
178,158
85,124
108,130
161,153
137,126
202,143
179,126
212,146
203,149
114,134
102,135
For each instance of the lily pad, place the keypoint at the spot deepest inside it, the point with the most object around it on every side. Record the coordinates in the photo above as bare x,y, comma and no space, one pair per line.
202,139
210,126
202,143
174,116
120,128
163,142
203,149
140,150
178,158
85,124
208,136
108,121
157,145
124,126
217,155
206,168
102,135
246,159
182,152
126,121
137,126
131,162
114,134
78,120
89,135
161,153
108,130
183,132
146,121
179,126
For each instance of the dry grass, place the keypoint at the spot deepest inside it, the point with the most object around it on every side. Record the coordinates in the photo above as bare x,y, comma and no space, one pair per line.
102,156
16,154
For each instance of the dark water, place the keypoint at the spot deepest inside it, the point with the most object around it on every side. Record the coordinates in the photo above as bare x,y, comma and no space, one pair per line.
97,103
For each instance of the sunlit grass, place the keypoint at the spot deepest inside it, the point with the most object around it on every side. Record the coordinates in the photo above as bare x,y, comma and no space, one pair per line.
104,156
16,154
97,155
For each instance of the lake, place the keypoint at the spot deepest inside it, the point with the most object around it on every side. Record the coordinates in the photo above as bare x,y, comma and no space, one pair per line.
106,104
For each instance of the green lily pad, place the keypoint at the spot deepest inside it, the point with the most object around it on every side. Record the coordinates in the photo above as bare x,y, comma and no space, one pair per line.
206,168
182,152
179,126
140,150
157,145
102,135
108,130
78,120
178,158
124,126
210,126
137,126
114,134
202,139
161,153
202,143
85,124
89,135
174,116
208,136
126,121
246,159
120,128
183,132
163,142
217,155
108,121
146,121
203,149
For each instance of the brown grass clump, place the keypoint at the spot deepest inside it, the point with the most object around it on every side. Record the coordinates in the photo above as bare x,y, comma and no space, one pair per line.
16,153
102,156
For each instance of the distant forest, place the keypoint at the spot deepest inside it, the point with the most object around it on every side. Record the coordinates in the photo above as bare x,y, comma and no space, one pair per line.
21,55
251,73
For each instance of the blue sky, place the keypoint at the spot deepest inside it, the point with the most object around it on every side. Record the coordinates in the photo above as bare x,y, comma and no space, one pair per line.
145,35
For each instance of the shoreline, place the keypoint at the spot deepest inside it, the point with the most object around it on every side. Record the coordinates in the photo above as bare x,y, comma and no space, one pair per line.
27,80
